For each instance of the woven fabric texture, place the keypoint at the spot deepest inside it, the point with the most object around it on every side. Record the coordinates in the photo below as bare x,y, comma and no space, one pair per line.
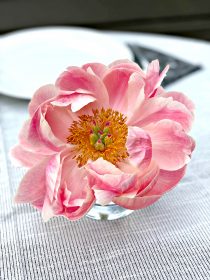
168,240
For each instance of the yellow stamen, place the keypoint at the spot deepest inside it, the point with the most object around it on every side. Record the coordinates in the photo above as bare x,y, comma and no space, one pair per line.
102,134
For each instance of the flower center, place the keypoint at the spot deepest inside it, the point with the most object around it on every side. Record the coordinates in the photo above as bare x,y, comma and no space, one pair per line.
102,134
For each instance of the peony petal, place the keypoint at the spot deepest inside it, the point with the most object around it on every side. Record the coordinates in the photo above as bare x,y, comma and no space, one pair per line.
88,202
31,141
104,175
32,188
42,95
166,181
76,78
97,69
180,97
103,197
116,82
153,77
53,176
68,193
135,96
136,202
159,108
59,120
139,147
40,135
172,147
22,157
76,99
145,180
127,64
125,90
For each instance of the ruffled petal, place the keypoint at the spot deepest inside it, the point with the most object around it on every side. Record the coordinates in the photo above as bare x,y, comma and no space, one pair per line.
137,202
68,193
87,202
172,147
180,97
97,69
22,157
77,100
104,175
59,120
30,140
127,64
159,108
166,181
42,95
135,96
145,180
139,147
125,89
116,82
40,136
154,77
136,198
32,188
75,79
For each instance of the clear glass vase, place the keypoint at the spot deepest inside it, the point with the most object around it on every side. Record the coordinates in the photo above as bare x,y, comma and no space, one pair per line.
108,212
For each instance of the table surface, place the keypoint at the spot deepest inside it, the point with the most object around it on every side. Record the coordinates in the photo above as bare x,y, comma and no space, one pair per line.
168,240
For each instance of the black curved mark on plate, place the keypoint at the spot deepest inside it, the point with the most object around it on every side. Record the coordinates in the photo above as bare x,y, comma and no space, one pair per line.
178,68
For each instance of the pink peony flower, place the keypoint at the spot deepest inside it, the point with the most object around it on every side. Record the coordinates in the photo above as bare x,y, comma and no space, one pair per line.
105,134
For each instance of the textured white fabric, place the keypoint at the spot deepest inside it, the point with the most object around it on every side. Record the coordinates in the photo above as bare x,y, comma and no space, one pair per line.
168,240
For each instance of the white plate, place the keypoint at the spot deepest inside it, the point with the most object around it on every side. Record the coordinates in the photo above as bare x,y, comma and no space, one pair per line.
34,57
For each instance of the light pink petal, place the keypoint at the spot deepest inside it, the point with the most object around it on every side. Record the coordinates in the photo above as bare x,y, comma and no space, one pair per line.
166,181
32,188
139,147
59,120
76,100
68,193
116,82
52,205
88,202
159,108
135,96
147,178
75,78
40,135
135,198
97,69
172,147
125,90
103,175
53,176
180,97
41,96
159,91
127,64
22,157
153,77
137,202
104,197
29,137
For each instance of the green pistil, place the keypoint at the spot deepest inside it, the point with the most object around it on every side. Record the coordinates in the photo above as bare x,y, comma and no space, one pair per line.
106,130
100,139
107,140
99,146
96,129
93,139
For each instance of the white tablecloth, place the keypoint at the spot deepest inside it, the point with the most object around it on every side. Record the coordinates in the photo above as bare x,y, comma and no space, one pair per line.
168,240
